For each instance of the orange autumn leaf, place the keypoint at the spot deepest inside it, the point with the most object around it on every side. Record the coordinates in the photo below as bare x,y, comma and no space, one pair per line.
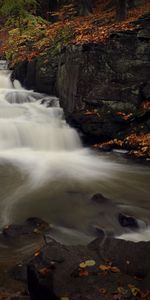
89,113
44,271
115,269
37,253
83,273
103,291
104,268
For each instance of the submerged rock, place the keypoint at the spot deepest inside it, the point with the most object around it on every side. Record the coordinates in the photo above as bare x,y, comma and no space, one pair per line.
128,221
99,198
30,226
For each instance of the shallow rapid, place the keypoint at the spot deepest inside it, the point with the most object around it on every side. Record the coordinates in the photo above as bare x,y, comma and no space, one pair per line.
46,172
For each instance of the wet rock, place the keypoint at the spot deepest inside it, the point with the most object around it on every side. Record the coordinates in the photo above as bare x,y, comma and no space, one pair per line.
64,279
99,231
100,126
54,271
99,198
37,223
30,226
132,258
128,221
19,272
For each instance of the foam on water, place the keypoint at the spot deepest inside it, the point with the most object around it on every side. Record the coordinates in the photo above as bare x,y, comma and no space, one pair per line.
141,235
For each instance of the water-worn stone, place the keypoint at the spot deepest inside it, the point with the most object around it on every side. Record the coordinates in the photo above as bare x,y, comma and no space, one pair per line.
99,198
128,221
30,226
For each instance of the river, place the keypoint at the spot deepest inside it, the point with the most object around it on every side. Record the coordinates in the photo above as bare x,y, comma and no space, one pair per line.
46,172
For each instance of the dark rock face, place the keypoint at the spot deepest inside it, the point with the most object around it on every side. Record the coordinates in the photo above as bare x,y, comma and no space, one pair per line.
102,78
105,78
39,74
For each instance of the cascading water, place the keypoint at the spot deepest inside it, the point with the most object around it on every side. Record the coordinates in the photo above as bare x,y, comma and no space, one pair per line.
45,171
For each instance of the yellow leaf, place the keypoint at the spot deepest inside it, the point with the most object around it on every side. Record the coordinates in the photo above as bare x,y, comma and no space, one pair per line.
122,291
134,290
87,263
82,265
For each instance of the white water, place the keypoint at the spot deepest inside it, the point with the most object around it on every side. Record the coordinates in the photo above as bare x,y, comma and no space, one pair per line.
39,152
37,140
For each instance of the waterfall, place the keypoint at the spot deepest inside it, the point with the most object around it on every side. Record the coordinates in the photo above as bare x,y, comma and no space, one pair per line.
24,123
44,169
36,140
3,65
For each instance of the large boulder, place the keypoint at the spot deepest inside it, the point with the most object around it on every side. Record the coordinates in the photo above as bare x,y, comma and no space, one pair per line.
108,77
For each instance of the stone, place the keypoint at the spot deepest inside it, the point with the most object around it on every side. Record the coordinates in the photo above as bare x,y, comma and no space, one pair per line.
128,221
99,198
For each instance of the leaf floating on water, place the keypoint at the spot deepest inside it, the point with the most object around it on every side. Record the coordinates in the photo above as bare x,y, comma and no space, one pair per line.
87,263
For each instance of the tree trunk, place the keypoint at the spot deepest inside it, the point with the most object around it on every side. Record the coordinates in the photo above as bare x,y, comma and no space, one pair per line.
121,10
85,7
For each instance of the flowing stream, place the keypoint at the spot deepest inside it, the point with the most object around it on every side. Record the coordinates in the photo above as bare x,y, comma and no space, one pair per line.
46,172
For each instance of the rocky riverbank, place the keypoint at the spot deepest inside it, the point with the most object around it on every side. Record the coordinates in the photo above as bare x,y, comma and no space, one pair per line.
103,88
39,268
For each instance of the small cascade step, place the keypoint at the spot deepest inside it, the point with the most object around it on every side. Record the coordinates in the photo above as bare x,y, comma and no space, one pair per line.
3,65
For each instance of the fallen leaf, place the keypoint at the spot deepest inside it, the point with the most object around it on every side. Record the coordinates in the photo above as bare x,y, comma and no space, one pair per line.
37,253
103,291
134,290
122,290
83,273
114,269
44,271
104,268
87,263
